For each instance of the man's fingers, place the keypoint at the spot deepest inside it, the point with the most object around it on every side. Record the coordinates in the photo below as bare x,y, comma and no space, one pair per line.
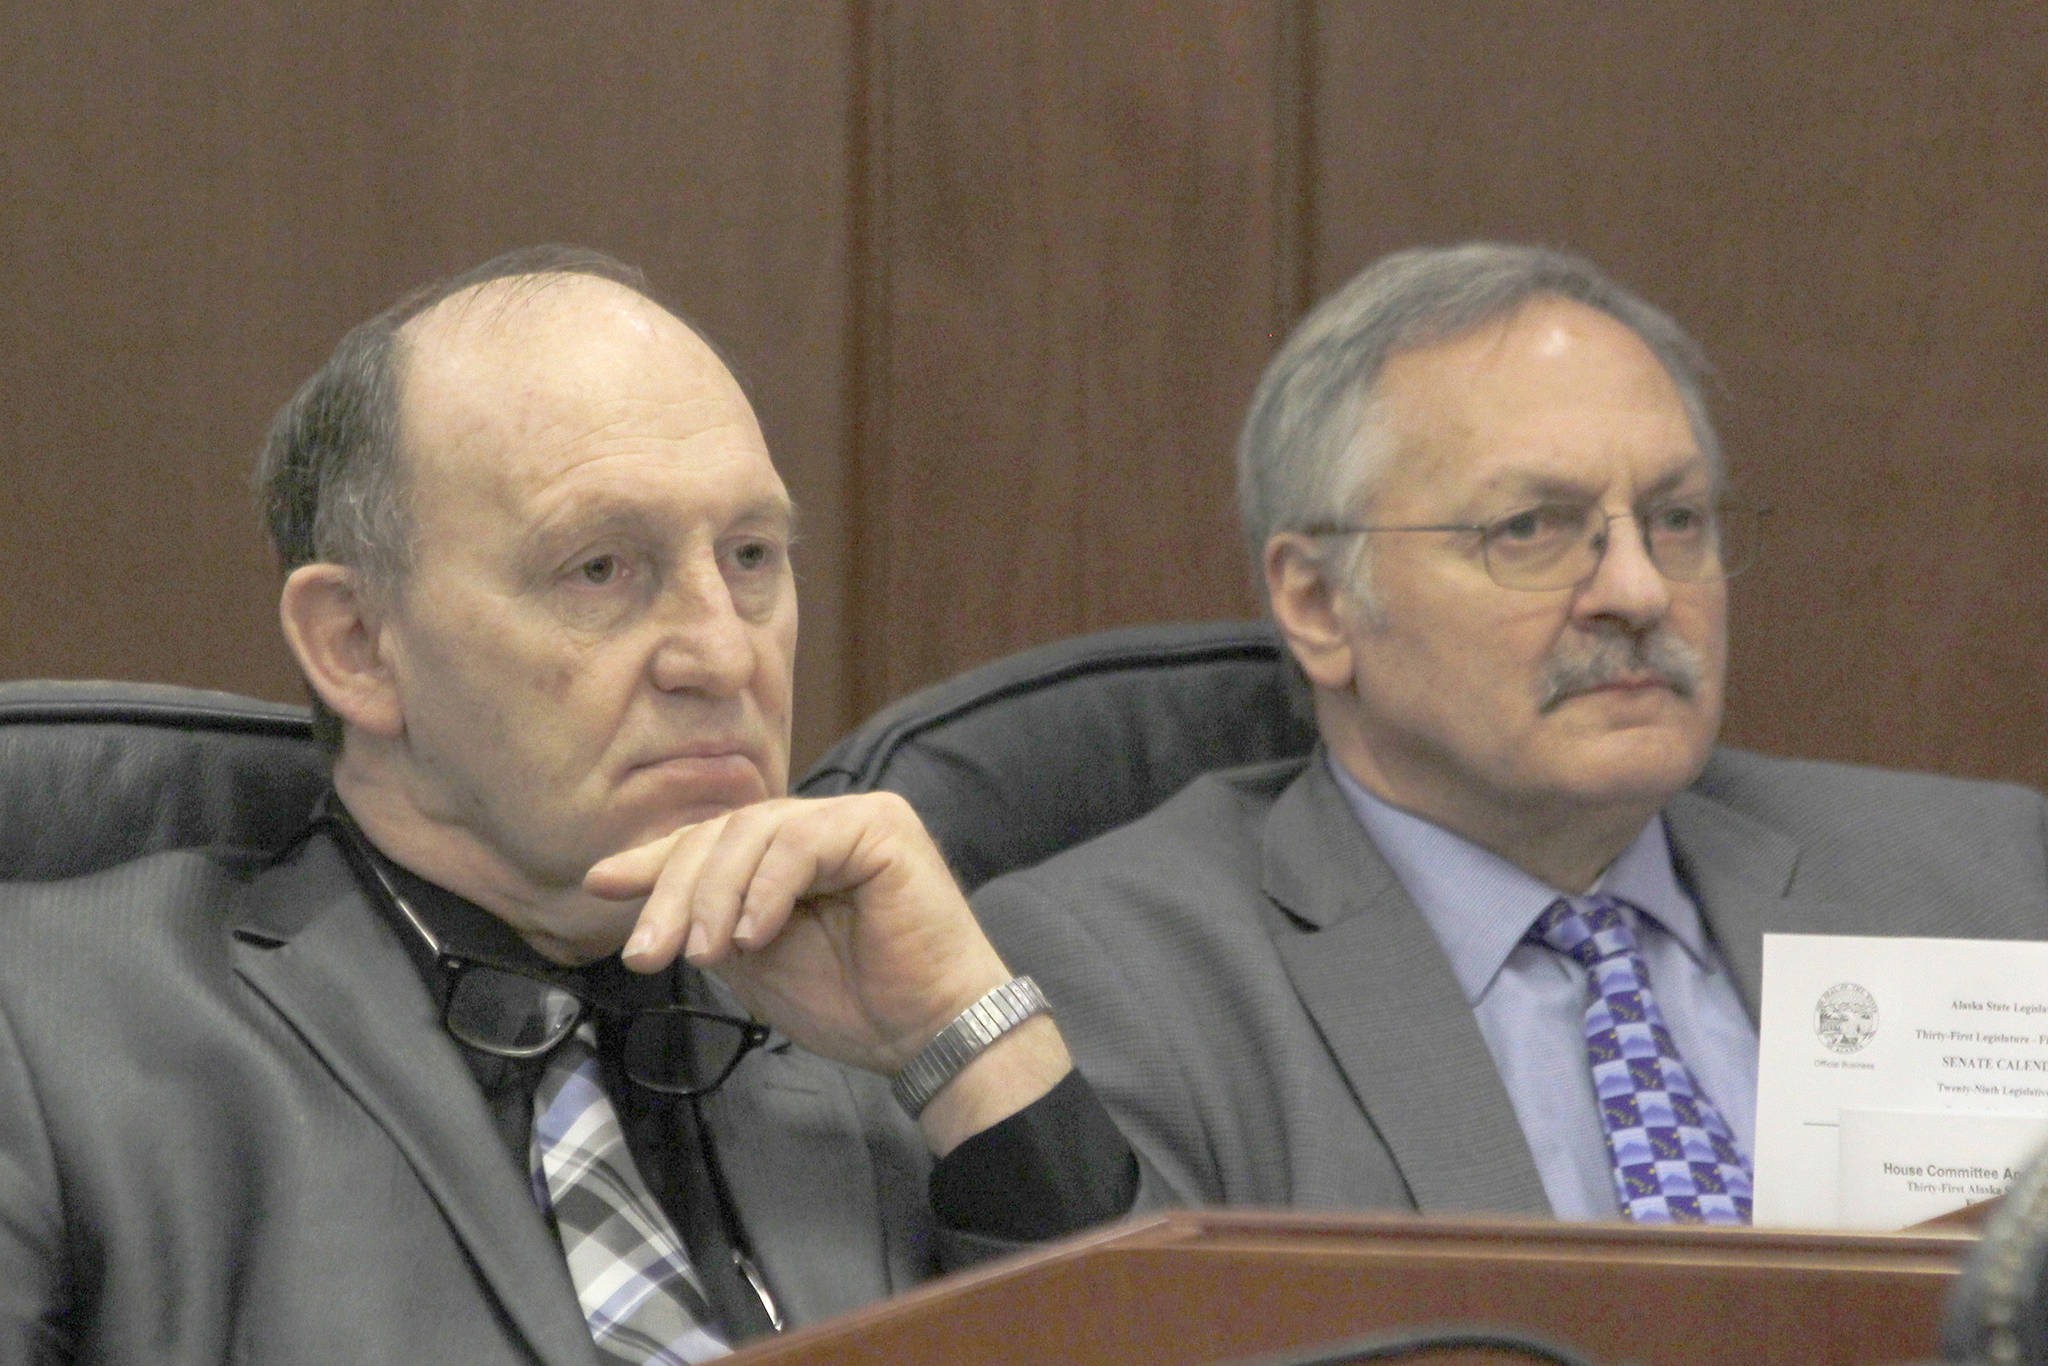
786,872
665,918
734,881
726,885
631,872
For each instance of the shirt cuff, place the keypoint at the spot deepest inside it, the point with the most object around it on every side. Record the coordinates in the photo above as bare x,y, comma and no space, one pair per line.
1056,1166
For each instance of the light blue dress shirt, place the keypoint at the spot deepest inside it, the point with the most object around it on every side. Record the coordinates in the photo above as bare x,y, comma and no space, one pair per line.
1530,1001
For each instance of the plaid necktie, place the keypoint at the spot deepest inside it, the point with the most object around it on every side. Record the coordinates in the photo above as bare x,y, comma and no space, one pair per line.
639,1293
1675,1159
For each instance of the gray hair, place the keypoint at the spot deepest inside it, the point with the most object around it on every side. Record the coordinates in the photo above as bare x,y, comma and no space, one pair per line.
1316,444
329,479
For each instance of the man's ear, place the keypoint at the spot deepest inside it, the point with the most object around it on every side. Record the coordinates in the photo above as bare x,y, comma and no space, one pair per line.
1309,610
334,630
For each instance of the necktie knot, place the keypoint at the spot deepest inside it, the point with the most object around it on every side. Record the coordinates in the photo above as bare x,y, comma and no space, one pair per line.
1587,929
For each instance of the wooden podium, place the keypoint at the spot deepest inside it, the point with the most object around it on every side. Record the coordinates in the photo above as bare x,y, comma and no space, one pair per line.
1192,1287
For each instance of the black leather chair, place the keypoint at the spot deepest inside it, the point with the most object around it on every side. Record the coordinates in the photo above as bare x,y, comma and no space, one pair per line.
94,774
1011,762
1007,763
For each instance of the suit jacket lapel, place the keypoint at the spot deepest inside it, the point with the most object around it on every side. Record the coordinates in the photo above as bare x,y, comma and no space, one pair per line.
1376,983
1742,873
308,942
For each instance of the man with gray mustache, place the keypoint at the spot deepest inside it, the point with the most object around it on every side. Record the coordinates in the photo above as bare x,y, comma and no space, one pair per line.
1496,944
1665,659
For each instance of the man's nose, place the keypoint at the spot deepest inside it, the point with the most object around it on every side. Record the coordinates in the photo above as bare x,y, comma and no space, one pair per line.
704,644
1626,585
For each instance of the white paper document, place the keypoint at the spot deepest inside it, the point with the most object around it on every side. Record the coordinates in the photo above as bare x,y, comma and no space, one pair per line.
1898,1079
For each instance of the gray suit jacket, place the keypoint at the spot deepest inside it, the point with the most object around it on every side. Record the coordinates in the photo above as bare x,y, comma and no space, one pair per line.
1272,1022
232,1129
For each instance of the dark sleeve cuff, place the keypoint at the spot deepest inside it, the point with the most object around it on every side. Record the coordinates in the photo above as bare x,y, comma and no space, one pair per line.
1058,1165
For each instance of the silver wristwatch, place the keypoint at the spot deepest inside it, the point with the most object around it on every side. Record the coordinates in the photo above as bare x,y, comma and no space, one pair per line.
964,1040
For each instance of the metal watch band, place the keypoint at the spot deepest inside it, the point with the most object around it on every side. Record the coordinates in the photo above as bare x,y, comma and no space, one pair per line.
964,1040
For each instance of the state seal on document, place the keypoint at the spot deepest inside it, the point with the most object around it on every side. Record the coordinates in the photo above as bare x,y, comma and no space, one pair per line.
1845,1018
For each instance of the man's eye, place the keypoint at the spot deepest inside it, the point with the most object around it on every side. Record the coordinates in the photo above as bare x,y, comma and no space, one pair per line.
598,569
1679,519
1536,524
1519,527
752,555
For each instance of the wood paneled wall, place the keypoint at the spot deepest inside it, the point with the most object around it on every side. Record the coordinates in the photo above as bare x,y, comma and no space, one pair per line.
199,198
1002,275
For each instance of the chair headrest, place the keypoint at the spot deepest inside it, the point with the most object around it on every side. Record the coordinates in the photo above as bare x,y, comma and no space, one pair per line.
1008,763
93,774
1011,762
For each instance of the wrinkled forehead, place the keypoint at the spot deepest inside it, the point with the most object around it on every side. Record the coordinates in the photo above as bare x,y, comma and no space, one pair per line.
1555,389
513,380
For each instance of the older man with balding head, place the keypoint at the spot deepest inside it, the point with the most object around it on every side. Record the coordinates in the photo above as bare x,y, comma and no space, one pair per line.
1496,944
561,1027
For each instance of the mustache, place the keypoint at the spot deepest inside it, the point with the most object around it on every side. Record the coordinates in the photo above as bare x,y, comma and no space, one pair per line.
1656,654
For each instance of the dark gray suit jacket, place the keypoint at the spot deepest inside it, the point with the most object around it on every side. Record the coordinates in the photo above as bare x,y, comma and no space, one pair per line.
232,1129
1272,1022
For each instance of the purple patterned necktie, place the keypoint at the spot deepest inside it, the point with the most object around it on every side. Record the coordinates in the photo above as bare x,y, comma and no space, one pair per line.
638,1290
1675,1159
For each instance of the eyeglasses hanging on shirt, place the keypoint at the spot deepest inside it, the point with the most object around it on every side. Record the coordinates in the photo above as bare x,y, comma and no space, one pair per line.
508,1011
505,1011
673,1049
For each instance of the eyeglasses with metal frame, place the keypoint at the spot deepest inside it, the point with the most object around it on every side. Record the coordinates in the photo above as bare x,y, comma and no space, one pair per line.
1557,545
